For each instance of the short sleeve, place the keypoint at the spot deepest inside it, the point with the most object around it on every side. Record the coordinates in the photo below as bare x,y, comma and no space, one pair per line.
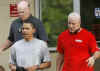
12,55
45,53
92,44
60,45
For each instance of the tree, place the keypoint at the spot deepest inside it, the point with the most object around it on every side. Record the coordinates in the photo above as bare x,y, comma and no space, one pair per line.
54,16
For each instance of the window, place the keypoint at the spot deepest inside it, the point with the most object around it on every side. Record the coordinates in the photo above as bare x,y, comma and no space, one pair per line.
90,14
54,16
53,13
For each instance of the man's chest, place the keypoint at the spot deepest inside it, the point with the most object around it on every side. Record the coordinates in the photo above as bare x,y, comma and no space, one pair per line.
28,49
76,42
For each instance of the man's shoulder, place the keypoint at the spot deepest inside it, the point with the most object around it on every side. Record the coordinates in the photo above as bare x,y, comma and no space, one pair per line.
19,42
17,20
17,45
85,31
33,17
65,33
35,20
42,44
40,41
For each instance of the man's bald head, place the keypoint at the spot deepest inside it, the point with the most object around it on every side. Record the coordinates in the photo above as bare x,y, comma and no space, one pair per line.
73,16
23,4
23,9
74,22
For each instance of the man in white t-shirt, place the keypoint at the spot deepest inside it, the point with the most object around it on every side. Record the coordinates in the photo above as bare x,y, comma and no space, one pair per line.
30,53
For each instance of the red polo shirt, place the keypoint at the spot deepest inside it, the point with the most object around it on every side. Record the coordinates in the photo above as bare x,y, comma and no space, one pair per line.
77,48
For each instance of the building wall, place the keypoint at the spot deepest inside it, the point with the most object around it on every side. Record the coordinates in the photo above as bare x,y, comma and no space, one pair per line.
4,27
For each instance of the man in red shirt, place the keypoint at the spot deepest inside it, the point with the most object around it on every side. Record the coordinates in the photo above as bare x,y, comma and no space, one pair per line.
77,48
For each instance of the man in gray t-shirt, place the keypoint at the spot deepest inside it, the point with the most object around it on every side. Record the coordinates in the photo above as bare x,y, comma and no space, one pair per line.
30,53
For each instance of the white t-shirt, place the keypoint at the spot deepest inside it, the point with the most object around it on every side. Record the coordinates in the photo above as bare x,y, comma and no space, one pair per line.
29,53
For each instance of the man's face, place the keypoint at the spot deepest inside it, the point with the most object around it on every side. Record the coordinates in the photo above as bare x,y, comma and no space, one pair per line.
23,12
23,9
27,31
73,25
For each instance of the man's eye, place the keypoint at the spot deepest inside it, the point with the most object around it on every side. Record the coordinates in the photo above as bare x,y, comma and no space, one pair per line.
73,23
27,28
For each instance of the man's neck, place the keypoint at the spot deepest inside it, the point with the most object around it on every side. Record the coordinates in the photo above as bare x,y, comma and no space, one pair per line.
29,39
78,30
26,17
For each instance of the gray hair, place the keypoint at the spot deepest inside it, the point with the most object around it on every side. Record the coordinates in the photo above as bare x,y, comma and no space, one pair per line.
73,16
23,4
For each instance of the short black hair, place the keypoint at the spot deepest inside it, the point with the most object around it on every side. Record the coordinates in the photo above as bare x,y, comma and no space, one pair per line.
30,22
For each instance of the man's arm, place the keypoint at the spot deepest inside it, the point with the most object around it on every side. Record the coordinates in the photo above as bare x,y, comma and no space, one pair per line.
46,57
44,65
5,46
46,62
12,67
59,62
12,61
96,55
91,60
93,49
10,39
39,67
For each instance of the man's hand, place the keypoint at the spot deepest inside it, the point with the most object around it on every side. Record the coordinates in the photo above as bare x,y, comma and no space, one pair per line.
1,50
13,68
33,68
5,46
91,61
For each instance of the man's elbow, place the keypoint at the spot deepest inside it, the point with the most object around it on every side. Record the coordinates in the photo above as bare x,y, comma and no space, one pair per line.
48,64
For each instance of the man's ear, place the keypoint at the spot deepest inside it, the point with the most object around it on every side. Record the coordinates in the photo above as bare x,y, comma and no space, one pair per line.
34,30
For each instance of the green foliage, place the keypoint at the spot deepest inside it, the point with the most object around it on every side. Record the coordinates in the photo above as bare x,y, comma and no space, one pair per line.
54,16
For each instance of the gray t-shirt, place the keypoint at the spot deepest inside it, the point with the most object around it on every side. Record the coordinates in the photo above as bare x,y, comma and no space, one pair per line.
29,53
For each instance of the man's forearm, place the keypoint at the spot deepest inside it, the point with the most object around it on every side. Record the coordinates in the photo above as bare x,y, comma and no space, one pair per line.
59,65
91,60
12,67
59,62
6,45
96,55
44,65
39,67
